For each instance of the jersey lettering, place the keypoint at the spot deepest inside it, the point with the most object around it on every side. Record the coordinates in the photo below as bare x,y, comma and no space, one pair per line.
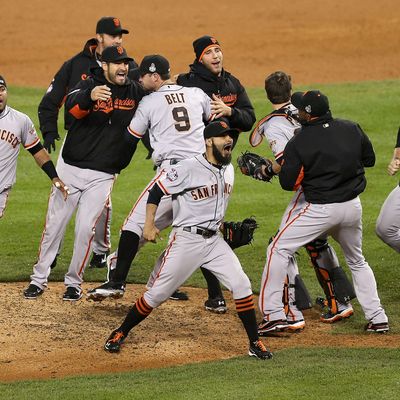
204,192
174,98
227,188
181,116
9,137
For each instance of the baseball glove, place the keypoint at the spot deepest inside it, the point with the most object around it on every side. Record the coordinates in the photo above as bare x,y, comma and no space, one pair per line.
238,234
251,164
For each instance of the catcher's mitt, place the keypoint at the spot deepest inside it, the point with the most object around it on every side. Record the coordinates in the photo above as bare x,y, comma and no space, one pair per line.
251,164
238,234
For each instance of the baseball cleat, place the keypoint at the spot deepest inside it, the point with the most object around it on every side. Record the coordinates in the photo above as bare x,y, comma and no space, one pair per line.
32,292
72,294
99,260
216,305
258,350
296,326
114,342
321,302
381,327
178,295
266,327
108,289
330,318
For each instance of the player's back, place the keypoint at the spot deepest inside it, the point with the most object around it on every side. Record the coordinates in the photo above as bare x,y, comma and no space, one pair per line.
176,118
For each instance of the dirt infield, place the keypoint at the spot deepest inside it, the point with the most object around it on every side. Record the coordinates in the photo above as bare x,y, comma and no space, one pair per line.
314,41
51,338
330,41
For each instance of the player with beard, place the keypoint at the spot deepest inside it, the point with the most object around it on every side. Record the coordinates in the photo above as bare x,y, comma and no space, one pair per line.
200,187
95,150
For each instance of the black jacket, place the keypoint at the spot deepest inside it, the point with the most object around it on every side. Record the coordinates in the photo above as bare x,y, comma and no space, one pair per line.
95,139
327,158
71,72
228,88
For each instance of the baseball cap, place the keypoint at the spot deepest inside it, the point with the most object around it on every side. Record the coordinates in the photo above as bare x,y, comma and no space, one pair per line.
202,44
110,25
114,53
3,81
154,63
312,102
219,128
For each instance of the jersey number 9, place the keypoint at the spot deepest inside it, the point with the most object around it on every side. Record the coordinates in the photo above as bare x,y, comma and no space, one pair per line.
181,116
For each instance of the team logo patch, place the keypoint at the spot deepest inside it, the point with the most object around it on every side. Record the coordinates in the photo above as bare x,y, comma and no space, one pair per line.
152,68
120,50
172,175
224,124
116,22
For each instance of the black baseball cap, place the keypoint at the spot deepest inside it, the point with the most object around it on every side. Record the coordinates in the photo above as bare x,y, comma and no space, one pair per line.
202,44
114,54
313,102
220,128
3,81
110,25
154,63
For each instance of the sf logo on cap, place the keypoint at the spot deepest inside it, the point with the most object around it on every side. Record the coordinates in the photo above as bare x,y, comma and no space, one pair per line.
224,124
214,40
152,67
120,50
116,22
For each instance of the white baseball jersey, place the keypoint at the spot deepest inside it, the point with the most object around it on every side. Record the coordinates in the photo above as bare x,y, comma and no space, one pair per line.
15,128
278,128
175,118
200,192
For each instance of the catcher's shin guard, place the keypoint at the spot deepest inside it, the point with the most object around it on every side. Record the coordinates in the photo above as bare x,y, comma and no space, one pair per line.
303,298
330,275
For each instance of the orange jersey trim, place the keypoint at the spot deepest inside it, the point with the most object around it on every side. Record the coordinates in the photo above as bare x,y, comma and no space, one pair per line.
299,179
77,112
133,133
29,146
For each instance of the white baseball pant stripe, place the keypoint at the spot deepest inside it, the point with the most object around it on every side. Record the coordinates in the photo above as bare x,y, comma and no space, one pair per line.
343,222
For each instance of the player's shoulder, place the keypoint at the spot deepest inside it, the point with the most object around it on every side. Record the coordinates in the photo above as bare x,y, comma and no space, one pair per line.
12,112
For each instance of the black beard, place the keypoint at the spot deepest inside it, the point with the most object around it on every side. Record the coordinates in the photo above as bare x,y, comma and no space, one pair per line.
219,157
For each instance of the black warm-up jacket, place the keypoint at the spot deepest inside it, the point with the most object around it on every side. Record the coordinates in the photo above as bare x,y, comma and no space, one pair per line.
228,88
327,158
96,138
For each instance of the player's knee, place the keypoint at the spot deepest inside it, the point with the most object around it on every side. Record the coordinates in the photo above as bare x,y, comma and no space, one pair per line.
241,287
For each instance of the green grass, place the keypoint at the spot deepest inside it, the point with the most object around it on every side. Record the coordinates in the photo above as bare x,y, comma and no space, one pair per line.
295,374
357,374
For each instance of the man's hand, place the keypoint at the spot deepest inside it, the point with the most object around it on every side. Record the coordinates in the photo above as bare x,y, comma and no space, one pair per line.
219,108
49,141
60,185
100,93
151,232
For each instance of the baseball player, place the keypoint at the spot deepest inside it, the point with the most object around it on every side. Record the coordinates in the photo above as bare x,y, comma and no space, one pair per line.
175,118
229,100
327,158
200,188
17,128
109,32
95,149
388,222
278,128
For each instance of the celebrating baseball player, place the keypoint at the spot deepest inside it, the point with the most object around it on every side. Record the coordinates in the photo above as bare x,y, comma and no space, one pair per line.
109,32
175,118
327,158
17,128
94,151
229,100
278,128
388,222
200,189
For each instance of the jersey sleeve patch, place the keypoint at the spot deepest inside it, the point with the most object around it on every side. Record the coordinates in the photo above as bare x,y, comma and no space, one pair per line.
172,175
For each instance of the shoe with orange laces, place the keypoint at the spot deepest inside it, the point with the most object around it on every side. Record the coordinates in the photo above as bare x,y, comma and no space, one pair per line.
114,342
258,350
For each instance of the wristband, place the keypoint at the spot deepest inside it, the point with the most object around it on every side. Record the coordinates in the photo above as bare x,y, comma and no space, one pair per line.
50,170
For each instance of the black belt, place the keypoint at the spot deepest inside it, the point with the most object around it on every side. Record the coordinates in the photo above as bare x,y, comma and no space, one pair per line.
206,233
